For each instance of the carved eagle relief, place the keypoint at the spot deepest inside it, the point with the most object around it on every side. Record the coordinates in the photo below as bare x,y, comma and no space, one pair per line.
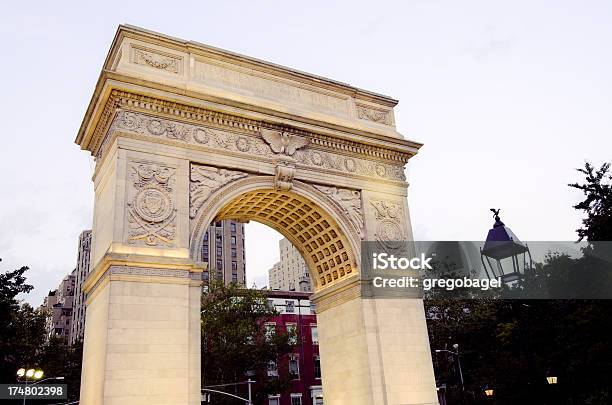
283,142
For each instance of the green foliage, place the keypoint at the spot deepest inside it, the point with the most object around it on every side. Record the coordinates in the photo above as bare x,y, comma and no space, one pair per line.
234,341
597,205
21,327
58,359
23,340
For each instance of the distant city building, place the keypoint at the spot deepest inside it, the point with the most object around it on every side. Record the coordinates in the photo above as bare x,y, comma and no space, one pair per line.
297,313
59,303
223,250
290,273
81,272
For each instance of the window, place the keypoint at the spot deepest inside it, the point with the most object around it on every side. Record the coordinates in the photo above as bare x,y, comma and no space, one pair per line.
294,367
290,306
219,265
292,332
218,224
234,254
296,399
234,265
274,400
219,251
312,308
233,240
314,334
317,367
205,252
233,227
206,237
270,331
270,304
234,278
272,369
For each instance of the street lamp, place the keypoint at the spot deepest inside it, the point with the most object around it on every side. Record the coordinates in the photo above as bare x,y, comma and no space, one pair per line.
551,380
456,347
489,392
29,374
503,255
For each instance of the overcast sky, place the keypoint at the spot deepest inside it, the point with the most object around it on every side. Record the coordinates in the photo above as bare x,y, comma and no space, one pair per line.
508,98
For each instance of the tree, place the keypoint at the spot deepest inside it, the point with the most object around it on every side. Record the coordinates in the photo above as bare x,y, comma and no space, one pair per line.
58,359
597,226
23,340
22,329
234,342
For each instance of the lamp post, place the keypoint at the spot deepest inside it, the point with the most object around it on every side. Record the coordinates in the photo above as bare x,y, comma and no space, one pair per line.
503,255
31,374
456,347
489,392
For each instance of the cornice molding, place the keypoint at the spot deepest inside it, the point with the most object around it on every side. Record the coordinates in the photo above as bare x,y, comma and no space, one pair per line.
123,100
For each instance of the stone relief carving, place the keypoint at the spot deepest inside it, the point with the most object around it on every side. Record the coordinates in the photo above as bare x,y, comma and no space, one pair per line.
283,176
283,143
371,114
151,211
147,57
289,145
346,164
349,201
204,180
389,222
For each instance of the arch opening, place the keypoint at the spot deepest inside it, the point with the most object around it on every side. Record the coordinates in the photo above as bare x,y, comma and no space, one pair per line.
301,215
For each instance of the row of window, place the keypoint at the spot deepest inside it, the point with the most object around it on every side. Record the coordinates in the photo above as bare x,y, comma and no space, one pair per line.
270,330
296,399
290,306
294,367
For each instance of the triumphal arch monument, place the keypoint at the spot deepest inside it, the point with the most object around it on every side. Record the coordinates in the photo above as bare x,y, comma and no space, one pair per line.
184,134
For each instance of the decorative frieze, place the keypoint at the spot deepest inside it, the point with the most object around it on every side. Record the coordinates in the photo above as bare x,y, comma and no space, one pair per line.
144,271
151,208
288,145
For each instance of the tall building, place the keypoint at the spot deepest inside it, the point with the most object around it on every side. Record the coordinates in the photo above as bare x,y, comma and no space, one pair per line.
223,250
59,304
81,272
290,273
296,313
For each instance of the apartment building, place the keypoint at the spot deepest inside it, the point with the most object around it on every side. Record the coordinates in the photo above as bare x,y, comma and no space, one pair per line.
290,272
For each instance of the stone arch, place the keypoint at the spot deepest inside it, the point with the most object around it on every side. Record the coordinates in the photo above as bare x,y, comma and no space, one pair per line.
327,240
268,135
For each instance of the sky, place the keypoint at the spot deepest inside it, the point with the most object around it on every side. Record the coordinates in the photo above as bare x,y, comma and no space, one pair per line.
508,98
